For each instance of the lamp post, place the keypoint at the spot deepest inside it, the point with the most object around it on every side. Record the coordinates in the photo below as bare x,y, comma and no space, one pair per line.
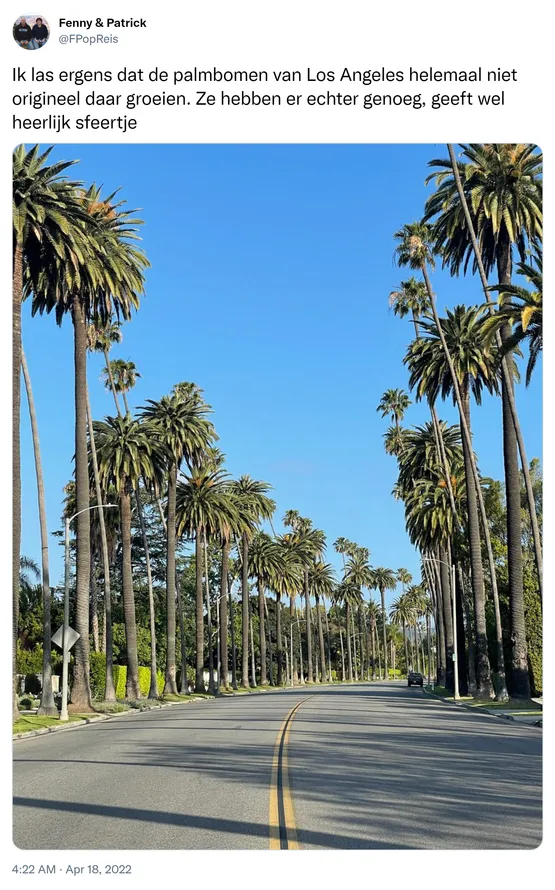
451,568
65,637
218,645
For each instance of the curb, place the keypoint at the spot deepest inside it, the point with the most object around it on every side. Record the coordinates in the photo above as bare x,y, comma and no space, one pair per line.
538,723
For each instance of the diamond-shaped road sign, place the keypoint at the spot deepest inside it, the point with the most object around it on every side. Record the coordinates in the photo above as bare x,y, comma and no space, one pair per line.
72,637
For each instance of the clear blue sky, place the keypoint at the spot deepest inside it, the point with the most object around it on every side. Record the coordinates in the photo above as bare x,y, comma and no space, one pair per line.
271,270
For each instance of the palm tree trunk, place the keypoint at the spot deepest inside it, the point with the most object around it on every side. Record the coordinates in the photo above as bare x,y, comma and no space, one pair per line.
348,634
321,641
377,639
384,634
299,635
245,614
184,685
445,576
233,646
224,653
16,459
520,678
211,684
310,675
328,642
352,630
270,647
485,688
170,684
343,674
199,615
279,643
81,691
153,690
253,661
504,274
109,690
405,648
94,606
47,707
132,689
262,632
291,624
469,634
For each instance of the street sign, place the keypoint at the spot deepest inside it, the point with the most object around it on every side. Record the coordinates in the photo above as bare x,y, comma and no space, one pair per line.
72,637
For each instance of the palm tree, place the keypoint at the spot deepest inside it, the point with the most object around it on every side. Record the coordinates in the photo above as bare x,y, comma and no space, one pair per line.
253,505
321,582
411,296
384,579
285,578
127,451
183,429
394,440
47,704
373,614
351,596
414,250
498,207
204,506
109,279
470,368
46,222
120,376
402,612
394,402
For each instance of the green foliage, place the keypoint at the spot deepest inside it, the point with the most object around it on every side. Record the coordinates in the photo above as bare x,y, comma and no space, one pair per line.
29,661
533,621
98,677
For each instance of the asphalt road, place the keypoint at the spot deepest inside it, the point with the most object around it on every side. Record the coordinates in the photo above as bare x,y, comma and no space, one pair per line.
376,766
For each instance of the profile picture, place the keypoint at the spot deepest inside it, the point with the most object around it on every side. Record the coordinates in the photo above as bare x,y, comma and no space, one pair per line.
31,31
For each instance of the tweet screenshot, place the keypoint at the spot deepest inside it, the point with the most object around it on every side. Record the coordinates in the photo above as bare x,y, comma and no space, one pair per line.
276,462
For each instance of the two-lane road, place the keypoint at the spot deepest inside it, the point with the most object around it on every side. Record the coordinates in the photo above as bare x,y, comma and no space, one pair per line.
365,766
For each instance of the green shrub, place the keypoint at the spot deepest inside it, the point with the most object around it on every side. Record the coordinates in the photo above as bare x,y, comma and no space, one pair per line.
97,674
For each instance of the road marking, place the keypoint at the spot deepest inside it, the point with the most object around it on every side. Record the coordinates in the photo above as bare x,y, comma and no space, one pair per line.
283,829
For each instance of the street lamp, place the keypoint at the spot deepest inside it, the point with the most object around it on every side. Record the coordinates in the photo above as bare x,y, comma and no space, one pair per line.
455,647
65,636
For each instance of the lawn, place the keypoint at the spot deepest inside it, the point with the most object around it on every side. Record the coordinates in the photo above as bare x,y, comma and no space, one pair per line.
27,724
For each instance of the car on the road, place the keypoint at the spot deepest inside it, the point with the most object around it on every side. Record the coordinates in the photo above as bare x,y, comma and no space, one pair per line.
415,679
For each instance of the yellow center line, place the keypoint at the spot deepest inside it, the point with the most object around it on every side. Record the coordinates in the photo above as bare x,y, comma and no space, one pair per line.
283,829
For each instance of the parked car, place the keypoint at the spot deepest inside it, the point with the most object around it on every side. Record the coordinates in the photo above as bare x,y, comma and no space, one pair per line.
415,679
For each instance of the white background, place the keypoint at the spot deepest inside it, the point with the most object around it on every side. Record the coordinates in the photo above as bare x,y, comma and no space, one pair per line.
290,35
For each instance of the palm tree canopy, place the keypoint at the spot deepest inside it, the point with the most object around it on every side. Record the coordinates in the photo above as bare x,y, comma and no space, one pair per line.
357,570
204,501
474,363
502,184
252,501
321,579
181,426
383,579
106,272
523,310
394,402
410,297
415,246
127,451
124,374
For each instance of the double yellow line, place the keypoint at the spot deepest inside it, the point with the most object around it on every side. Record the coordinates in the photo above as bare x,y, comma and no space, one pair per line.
283,829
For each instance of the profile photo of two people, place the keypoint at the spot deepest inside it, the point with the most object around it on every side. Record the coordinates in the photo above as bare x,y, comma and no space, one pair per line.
31,32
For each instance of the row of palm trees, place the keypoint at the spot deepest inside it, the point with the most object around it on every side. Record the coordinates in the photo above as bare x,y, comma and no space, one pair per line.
487,207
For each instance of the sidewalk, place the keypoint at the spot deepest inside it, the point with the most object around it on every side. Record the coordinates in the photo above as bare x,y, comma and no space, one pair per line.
524,716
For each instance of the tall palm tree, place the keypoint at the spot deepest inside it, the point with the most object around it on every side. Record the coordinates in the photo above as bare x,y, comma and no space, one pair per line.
373,615
410,297
321,582
254,505
286,576
204,507
384,579
483,208
47,704
46,223
120,376
351,597
127,451
469,368
414,250
108,280
183,429
402,612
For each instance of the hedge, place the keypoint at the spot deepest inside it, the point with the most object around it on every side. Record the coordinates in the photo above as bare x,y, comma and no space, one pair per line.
98,677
